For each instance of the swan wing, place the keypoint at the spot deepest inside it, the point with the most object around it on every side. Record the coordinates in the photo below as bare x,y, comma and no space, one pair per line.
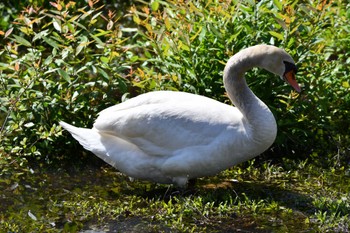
160,123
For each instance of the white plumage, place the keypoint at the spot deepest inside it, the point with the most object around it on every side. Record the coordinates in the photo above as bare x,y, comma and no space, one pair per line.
170,137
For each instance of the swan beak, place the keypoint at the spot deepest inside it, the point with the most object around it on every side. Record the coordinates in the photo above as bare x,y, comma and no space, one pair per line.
290,78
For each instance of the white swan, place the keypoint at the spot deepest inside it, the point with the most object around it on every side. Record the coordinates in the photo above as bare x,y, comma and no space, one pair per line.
171,137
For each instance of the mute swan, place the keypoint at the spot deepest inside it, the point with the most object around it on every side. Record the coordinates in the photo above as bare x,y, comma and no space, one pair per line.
171,137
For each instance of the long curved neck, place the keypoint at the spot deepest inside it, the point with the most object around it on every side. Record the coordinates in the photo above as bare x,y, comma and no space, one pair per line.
257,118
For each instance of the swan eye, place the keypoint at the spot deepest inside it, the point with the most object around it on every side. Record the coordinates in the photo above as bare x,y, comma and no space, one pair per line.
290,67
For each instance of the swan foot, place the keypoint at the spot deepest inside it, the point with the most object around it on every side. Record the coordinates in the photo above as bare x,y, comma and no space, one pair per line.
191,183
180,182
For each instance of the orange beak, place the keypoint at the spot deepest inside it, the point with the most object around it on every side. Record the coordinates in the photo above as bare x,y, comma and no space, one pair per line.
290,78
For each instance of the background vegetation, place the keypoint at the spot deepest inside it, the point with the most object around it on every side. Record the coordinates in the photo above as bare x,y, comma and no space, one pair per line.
67,60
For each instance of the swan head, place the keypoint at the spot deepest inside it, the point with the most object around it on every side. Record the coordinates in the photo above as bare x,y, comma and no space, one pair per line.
279,62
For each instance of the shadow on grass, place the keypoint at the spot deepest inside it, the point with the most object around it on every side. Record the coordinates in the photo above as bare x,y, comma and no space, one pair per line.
37,193
226,191
218,192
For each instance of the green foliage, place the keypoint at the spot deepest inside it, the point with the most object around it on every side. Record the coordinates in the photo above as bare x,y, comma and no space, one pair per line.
270,199
58,64
70,60
186,45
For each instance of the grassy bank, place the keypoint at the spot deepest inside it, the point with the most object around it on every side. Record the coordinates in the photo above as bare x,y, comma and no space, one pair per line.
295,197
67,60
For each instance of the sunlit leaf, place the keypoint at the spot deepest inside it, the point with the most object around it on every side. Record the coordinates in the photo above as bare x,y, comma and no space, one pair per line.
16,66
278,4
29,124
32,216
110,25
183,46
91,3
129,29
196,34
21,40
103,73
136,19
64,74
8,32
277,35
102,33
167,23
154,5
78,49
41,34
57,24
104,59
100,43
51,42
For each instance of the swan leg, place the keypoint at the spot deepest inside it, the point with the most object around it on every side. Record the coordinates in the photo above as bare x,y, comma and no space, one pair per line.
180,181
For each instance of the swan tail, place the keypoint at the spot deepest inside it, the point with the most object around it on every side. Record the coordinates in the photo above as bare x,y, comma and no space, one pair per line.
88,138
115,151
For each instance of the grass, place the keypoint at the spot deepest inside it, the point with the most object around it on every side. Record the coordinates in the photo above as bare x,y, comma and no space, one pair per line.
252,197
53,57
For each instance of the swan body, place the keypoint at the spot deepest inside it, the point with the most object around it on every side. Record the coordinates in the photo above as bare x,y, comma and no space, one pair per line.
171,137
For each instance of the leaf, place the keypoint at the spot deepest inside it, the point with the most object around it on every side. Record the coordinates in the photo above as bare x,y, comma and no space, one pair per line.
79,48
51,42
197,33
78,24
246,9
129,29
57,25
102,33
136,19
97,15
110,25
4,66
183,46
26,30
278,4
276,34
53,4
91,3
104,59
32,216
155,5
8,32
98,40
22,41
64,75
103,73
167,23
16,66
40,34
29,124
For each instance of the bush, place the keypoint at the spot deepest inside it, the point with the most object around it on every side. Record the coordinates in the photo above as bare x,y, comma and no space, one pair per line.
62,63
69,61
189,43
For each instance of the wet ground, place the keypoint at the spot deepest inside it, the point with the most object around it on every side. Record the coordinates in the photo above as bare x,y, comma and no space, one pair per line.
100,199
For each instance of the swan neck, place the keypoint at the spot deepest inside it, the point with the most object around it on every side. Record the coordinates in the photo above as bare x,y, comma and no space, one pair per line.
235,84
257,117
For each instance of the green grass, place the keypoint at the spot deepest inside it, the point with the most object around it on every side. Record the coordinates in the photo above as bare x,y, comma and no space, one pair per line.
295,197
66,61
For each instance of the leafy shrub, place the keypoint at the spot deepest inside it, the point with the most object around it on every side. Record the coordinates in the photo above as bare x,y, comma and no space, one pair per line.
62,63
69,61
188,43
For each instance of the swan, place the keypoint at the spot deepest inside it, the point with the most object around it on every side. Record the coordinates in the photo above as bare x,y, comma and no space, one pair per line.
170,137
